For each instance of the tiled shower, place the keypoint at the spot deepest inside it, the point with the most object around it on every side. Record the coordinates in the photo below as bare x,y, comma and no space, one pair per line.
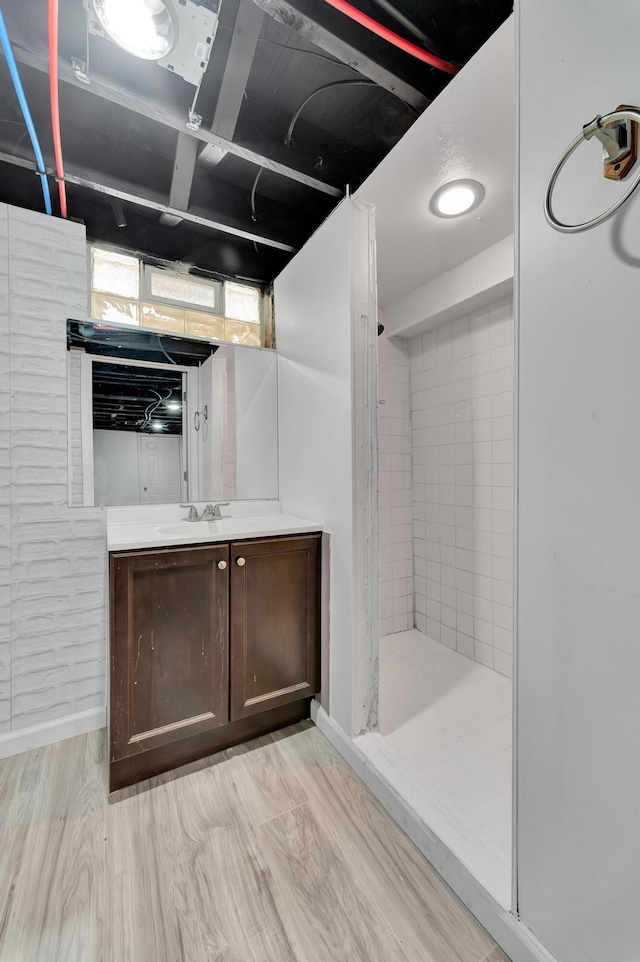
446,484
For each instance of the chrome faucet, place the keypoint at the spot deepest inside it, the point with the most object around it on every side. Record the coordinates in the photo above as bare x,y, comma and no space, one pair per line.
193,512
212,511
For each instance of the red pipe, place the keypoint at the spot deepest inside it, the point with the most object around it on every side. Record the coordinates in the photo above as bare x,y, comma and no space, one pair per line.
55,103
370,24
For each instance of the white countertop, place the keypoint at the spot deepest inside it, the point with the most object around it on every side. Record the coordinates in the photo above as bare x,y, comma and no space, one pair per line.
129,535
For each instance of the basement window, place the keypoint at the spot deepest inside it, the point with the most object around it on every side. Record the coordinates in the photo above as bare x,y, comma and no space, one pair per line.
173,287
125,290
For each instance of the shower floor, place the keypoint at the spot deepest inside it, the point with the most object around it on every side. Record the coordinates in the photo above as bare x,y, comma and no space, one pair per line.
445,746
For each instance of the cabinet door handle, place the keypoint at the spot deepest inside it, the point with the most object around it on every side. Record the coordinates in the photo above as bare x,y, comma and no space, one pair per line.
222,565
241,562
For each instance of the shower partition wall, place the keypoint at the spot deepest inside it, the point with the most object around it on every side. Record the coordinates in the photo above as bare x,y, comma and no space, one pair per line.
462,447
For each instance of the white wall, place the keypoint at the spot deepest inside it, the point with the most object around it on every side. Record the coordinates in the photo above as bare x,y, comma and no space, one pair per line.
395,486
462,416
578,575
315,410
52,602
115,467
256,411
466,288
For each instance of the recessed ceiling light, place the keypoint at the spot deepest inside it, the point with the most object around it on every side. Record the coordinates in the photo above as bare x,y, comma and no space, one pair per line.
456,198
157,426
144,28
173,406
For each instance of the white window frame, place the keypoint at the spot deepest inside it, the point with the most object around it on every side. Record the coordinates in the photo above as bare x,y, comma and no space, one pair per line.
146,295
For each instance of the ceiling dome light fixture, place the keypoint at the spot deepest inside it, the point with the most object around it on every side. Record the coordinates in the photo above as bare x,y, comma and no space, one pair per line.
456,198
145,28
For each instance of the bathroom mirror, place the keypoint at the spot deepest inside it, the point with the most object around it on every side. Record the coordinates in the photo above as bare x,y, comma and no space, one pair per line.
156,418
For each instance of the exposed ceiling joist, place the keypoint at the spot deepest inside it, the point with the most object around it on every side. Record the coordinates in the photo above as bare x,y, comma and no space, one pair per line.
246,34
182,177
163,114
123,192
286,12
240,55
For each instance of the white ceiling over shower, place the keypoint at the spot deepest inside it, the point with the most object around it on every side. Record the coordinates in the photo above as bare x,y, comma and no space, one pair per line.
467,132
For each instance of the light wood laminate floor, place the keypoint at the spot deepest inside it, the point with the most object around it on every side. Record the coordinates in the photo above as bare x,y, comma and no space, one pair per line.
270,852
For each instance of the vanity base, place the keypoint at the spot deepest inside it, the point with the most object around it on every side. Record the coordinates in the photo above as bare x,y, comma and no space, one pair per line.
154,761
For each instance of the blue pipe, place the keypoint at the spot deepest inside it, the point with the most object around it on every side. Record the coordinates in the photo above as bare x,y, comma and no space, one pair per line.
26,113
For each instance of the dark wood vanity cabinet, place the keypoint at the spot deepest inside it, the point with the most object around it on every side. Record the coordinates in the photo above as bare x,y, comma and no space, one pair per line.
210,645
274,623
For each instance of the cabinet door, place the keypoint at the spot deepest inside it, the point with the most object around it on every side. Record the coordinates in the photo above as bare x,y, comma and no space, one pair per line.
169,646
275,618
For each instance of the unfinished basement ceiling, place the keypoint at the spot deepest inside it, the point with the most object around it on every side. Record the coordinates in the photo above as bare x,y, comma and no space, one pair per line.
126,130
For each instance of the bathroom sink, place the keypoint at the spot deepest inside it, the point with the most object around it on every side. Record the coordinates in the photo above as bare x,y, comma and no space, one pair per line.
200,529
239,525
184,528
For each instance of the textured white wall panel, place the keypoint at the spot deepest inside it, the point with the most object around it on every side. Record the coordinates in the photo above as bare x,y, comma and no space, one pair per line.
52,620
5,510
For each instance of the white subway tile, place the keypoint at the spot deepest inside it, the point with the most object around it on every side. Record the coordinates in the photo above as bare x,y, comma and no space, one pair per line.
447,534
445,373
481,408
464,606
448,636
502,499
462,410
464,538
446,413
463,390
464,644
448,595
502,569
502,405
480,364
447,615
448,574
431,629
503,639
464,581
502,475
482,609
483,654
502,616
502,546
433,609
502,662
448,555
448,514
483,631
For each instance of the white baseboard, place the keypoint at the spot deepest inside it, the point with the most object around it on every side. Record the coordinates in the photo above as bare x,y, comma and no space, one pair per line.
13,743
511,934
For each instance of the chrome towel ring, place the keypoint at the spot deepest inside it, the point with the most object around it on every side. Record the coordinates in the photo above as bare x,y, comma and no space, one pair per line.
198,415
596,128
